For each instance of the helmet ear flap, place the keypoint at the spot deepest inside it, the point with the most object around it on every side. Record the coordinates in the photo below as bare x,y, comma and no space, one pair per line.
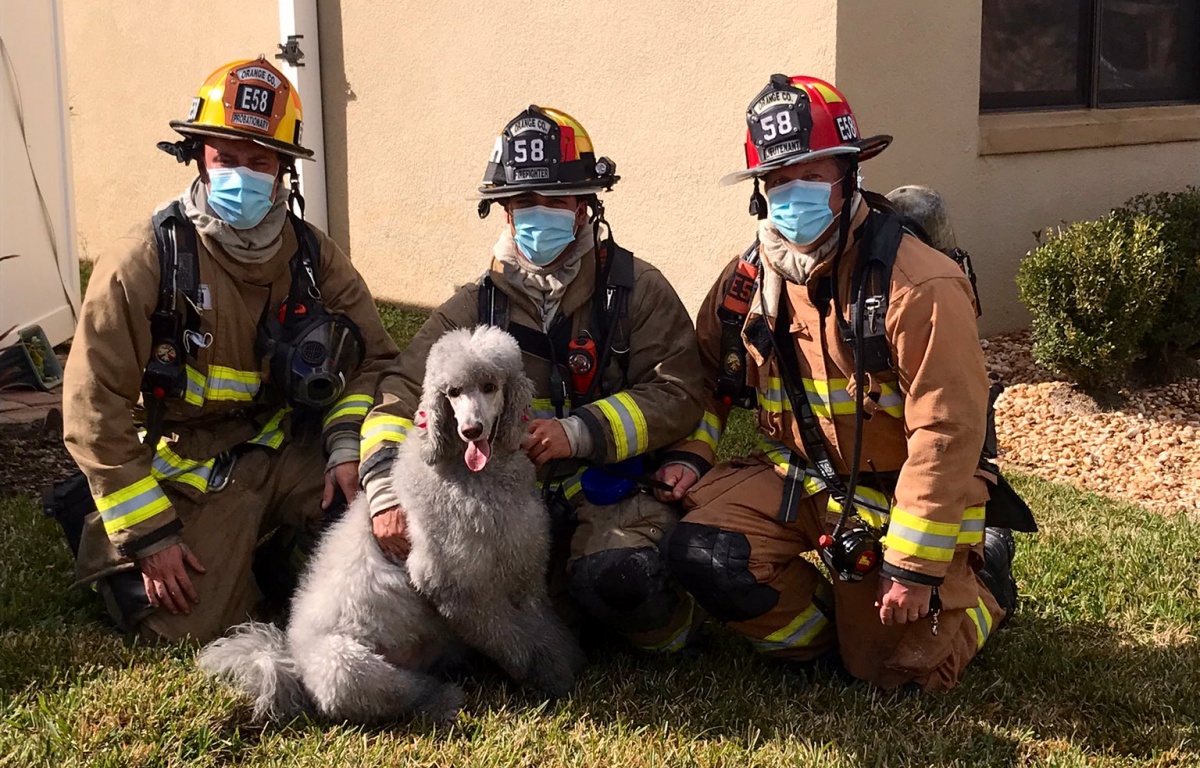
758,203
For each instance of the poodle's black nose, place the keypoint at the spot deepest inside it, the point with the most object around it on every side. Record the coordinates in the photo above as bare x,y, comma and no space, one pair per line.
473,432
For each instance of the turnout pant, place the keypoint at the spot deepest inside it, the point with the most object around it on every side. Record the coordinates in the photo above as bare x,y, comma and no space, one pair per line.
267,489
615,573
745,568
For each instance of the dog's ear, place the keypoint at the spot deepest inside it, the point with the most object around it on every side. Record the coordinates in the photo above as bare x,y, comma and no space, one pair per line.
440,428
518,396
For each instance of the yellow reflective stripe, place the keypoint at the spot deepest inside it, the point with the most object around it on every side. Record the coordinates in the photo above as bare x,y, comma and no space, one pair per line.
627,422
981,617
777,453
708,431
676,641
570,486
350,405
828,398
891,400
194,394
383,427
922,538
271,435
973,524
543,408
799,632
231,384
131,505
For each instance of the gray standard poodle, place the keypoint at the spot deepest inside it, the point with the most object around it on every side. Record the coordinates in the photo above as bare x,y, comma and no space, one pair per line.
366,632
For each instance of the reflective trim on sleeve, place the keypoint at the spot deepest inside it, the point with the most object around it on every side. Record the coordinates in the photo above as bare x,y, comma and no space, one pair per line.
627,422
380,428
231,384
800,632
708,431
271,435
828,398
131,505
926,539
981,617
973,524
350,405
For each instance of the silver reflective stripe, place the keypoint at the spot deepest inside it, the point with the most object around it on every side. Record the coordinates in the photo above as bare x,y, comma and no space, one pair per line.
921,539
143,499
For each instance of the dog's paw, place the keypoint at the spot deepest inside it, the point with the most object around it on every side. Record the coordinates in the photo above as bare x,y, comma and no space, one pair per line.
443,704
551,677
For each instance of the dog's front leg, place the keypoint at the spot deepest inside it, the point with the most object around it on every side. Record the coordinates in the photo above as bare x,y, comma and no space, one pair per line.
494,629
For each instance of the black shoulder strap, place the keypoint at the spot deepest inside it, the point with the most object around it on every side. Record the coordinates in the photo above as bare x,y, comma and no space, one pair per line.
492,303
306,262
611,308
871,290
165,374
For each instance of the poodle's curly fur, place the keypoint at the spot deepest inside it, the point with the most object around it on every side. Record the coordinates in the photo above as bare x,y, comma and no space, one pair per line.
365,632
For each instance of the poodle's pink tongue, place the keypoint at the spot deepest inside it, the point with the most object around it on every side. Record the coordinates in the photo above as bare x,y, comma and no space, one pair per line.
478,453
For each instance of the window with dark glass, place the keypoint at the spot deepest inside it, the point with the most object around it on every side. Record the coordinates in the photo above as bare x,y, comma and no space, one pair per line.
1063,54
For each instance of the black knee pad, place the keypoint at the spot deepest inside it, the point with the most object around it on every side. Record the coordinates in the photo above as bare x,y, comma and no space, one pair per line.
714,565
626,588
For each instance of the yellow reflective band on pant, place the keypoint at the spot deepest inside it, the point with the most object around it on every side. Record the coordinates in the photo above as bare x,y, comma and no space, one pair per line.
131,505
350,405
829,398
921,538
799,632
543,408
981,617
271,435
168,465
231,384
380,428
570,486
708,431
679,638
627,422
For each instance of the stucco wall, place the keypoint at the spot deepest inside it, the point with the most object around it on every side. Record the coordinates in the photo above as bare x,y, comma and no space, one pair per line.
421,90
132,66
912,70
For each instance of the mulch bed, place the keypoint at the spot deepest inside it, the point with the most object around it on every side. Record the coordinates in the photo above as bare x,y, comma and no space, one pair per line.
32,456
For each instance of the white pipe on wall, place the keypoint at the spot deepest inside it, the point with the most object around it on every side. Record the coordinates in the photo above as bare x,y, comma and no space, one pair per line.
299,17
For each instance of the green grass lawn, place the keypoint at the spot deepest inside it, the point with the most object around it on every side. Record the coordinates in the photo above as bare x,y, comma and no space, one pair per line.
1100,667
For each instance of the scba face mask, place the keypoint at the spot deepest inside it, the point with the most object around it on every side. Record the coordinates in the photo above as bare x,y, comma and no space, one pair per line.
314,357
800,210
543,233
240,196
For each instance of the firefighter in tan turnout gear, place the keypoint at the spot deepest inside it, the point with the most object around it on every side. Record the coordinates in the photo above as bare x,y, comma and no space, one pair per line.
857,346
612,353
225,358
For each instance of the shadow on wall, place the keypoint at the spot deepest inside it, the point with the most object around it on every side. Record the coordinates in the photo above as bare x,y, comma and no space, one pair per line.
335,95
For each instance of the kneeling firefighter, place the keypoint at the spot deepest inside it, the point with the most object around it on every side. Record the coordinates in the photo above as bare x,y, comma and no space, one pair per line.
226,355
857,345
612,354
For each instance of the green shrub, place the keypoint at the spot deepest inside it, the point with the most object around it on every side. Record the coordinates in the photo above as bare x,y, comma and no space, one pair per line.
1095,290
1178,326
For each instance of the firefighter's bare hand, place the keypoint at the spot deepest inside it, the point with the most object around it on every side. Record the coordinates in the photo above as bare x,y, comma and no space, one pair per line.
165,576
391,532
546,440
902,603
680,477
343,476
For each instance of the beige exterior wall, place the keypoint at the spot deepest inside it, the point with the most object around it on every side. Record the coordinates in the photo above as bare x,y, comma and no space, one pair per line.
415,93
132,66
911,69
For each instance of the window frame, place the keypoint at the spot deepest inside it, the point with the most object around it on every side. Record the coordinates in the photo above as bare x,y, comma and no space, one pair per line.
1086,94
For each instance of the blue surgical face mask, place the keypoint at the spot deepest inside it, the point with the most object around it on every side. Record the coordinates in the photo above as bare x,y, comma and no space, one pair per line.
543,233
800,210
240,196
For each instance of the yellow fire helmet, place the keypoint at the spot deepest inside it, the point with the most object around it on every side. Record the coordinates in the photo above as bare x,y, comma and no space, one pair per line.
247,99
